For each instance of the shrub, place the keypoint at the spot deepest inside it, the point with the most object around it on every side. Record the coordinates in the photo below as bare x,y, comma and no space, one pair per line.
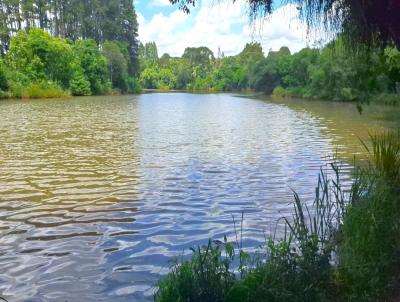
279,91
41,90
206,277
79,85
134,86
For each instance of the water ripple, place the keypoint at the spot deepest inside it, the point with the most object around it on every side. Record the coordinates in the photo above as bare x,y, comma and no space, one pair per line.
98,194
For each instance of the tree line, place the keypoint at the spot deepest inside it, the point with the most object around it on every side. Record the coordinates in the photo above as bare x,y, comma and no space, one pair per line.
332,72
49,47
100,20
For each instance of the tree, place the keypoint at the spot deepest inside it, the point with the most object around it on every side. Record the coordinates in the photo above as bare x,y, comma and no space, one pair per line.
80,85
150,51
117,65
184,74
100,20
41,57
94,65
149,78
200,59
3,77
264,76
198,55
251,52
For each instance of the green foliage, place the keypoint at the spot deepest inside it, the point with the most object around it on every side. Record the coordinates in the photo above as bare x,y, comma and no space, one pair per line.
280,91
264,76
41,57
184,75
80,85
117,65
99,20
134,86
3,77
94,65
206,277
158,78
150,51
36,58
252,52
332,73
41,90
198,55
369,254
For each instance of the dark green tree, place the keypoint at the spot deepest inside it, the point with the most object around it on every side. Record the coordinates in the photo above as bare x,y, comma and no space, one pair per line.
94,65
117,65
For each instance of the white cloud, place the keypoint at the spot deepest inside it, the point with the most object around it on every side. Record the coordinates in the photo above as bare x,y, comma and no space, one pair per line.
158,3
224,25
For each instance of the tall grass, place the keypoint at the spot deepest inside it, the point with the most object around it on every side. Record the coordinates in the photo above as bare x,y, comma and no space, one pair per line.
343,247
370,251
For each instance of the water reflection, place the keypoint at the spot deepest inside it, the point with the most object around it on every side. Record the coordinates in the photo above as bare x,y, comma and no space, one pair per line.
97,194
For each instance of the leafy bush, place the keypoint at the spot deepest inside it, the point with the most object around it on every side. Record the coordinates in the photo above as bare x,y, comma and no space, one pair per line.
42,90
279,91
79,85
93,64
206,277
134,86
41,57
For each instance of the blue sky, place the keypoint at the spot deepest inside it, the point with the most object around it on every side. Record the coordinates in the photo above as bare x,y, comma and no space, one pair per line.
218,24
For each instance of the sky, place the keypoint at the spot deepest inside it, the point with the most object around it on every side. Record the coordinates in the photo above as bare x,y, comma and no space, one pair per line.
219,25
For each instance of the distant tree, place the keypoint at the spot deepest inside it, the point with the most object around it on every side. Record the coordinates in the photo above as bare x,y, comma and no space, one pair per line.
264,76
297,72
3,77
94,65
41,57
79,85
100,20
200,58
164,61
184,74
117,65
251,52
198,55
149,78
150,51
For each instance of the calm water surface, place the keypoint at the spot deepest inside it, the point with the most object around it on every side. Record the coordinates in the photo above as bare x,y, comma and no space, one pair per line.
97,194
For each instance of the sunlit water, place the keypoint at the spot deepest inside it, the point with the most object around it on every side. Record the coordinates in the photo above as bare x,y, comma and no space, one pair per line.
97,194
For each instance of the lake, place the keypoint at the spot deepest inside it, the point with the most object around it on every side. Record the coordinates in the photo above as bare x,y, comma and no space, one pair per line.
97,194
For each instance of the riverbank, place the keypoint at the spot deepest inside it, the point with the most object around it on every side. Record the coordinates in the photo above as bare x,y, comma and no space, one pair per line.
391,99
42,91
344,248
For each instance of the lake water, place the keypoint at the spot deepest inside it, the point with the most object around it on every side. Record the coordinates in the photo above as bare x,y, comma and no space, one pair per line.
98,193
